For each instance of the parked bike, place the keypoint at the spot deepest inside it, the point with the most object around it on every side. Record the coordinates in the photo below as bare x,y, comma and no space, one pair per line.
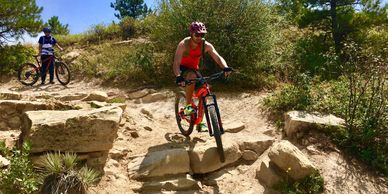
29,74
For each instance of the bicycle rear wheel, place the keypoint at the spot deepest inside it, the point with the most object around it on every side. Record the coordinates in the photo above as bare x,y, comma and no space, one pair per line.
185,122
28,74
62,72
216,132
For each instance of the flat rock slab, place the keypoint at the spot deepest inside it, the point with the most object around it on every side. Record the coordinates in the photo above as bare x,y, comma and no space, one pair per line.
172,184
296,121
160,163
10,96
71,131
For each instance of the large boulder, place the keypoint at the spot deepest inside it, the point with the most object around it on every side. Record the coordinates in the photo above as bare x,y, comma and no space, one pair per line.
204,158
266,173
71,131
160,163
291,160
296,121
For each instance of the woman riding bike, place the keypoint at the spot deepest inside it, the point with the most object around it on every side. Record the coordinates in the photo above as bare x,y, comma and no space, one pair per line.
187,60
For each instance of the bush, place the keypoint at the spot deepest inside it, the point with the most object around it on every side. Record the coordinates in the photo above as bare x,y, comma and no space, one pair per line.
133,64
311,184
19,177
127,27
13,56
241,31
61,175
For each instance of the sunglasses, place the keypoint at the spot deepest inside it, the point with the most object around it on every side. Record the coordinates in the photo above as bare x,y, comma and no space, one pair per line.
199,35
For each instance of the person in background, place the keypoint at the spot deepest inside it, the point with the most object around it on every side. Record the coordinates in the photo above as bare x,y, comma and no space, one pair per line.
46,52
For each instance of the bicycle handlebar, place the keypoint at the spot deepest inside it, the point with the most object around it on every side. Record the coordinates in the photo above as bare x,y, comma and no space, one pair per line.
205,79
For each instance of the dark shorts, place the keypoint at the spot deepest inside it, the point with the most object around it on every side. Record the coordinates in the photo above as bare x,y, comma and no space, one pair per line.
185,70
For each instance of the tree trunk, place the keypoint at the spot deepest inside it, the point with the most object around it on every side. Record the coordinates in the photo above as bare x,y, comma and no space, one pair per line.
334,26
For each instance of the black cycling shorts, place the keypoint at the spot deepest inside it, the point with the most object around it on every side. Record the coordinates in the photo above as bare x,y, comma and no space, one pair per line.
184,70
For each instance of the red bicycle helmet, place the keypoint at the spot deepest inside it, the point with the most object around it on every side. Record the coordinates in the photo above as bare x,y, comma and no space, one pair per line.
198,27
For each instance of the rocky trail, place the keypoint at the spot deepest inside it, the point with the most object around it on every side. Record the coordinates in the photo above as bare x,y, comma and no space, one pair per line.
137,146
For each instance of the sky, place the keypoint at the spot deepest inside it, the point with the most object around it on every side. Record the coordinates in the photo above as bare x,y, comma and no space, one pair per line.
80,15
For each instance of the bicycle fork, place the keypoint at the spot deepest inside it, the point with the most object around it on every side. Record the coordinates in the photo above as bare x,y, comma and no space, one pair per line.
213,102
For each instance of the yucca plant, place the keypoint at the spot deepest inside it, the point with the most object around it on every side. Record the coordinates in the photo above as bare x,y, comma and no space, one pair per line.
61,175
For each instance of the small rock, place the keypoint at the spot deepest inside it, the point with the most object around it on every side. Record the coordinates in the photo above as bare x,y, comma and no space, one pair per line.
312,150
97,104
146,112
4,162
138,94
249,155
234,127
153,97
148,128
134,134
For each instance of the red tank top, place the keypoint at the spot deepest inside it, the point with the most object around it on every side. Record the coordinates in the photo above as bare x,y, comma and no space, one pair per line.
191,58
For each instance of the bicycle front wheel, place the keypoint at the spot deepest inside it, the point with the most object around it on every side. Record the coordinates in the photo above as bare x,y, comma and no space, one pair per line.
216,132
62,72
28,74
185,122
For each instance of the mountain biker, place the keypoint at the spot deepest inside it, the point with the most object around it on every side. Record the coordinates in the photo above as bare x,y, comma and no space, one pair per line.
46,50
187,59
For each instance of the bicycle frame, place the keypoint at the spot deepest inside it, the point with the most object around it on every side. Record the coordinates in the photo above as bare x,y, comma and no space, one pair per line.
40,65
203,94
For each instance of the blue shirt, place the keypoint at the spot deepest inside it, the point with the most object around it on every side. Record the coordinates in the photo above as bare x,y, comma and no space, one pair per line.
47,43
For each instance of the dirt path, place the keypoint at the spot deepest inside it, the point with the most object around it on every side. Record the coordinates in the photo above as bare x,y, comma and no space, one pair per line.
152,127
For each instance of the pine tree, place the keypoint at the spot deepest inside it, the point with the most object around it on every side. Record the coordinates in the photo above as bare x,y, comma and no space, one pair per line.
131,8
18,17
57,27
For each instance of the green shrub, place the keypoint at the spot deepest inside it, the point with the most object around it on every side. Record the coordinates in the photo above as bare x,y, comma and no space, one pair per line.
19,177
241,31
127,27
133,64
313,184
13,56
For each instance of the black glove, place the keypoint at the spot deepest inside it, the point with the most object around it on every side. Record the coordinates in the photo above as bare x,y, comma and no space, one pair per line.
228,69
179,79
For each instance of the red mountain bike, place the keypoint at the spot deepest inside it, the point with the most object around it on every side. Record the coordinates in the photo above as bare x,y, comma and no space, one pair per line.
28,73
206,105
